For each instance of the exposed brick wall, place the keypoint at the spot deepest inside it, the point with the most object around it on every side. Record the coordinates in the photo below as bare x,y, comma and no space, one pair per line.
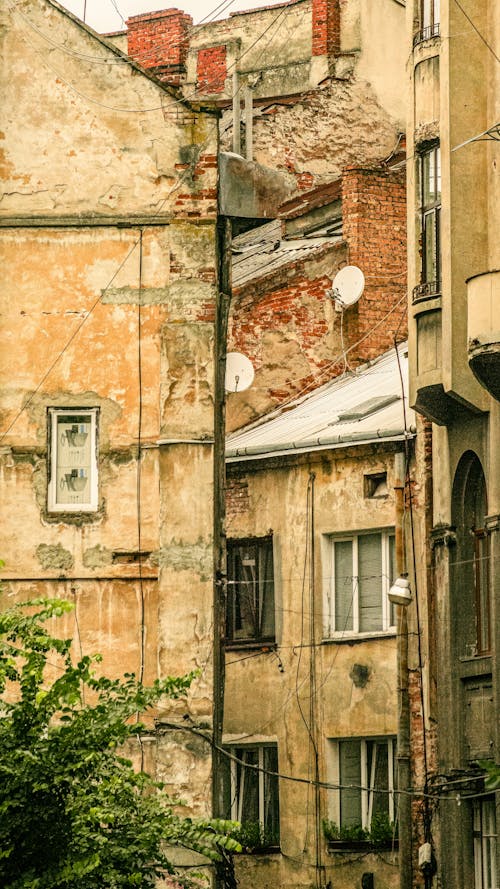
325,27
237,500
160,41
374,224
211,69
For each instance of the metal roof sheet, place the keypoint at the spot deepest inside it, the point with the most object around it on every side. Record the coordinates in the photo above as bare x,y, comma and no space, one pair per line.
263,250
318,420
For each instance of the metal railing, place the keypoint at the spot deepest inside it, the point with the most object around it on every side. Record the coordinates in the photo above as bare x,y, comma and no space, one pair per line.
427,290
426,33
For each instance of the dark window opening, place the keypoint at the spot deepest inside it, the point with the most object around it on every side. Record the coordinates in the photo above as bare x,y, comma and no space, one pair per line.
250,590
472,606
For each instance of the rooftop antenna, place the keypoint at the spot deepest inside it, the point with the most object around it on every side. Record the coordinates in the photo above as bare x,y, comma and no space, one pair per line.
347,287
239,372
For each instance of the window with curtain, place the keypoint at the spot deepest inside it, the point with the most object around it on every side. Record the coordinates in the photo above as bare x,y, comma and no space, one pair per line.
250,591
361,570
251,789
367,780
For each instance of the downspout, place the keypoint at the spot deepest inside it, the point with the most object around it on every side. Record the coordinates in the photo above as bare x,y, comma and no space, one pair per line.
403,745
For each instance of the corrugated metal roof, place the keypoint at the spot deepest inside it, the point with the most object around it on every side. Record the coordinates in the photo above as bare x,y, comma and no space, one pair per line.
263,250
371,395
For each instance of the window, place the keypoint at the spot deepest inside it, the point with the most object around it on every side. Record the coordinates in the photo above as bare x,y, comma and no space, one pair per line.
72,460
429,211
429,20
250,596
251,792
485,843
360,570
470,563
365,772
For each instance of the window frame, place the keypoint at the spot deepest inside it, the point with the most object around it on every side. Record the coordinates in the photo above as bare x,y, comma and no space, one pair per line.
236,792
54,415
387,611
366,790
485,838
430,18
260,591
429,216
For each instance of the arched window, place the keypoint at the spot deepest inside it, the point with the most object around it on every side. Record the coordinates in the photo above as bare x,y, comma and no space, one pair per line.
470,567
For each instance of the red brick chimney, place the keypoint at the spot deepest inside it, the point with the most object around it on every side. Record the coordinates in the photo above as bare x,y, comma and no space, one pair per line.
159,41
325,27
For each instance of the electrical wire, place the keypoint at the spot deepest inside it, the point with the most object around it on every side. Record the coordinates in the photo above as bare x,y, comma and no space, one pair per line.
476,29
327,785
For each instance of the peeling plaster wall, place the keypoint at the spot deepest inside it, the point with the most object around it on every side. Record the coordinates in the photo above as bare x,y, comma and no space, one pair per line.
272,495
91,321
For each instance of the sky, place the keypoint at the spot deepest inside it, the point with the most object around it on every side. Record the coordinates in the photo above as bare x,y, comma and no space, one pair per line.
109,15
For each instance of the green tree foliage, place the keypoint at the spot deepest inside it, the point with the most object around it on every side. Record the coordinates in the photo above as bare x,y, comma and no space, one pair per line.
74,814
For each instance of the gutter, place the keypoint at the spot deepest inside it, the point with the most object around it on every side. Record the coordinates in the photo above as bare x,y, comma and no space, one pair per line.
261,452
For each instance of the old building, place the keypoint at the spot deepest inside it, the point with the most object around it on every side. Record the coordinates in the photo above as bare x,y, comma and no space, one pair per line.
108,236
315,518
453,222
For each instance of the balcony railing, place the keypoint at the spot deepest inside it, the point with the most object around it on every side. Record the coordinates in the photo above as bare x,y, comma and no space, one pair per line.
426,33
427,290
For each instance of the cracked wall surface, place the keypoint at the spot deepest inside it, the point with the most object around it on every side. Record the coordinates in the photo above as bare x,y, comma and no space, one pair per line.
107,239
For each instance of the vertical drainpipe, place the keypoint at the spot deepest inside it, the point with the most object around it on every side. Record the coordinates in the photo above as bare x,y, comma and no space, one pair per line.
236,113
248,123
219,594
403,745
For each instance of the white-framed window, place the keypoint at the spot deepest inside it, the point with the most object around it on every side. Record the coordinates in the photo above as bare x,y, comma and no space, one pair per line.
250,615
365,771
485,844
72,464
359,570
252,789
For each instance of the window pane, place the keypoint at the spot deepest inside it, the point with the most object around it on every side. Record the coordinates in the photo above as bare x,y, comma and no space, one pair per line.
392,577
250,596
73,458
271,796
248,786
350,774
343,586
426,13
378,779
370,582
266,586
429,246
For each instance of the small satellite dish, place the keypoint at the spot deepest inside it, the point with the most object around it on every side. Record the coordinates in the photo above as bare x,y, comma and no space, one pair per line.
239,372
348,285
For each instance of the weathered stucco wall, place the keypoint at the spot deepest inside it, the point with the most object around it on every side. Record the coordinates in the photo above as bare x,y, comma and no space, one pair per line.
107,235
272,497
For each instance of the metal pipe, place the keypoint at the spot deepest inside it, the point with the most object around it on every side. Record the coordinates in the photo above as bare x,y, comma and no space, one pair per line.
403,746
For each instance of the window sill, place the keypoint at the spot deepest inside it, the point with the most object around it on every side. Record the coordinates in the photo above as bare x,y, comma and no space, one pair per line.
353,638
250,645
361,846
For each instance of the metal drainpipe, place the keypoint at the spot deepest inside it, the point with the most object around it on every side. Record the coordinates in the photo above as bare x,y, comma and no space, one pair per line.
403,746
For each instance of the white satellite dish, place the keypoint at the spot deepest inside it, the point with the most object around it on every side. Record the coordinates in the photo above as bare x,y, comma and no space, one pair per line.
348,285
239,372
